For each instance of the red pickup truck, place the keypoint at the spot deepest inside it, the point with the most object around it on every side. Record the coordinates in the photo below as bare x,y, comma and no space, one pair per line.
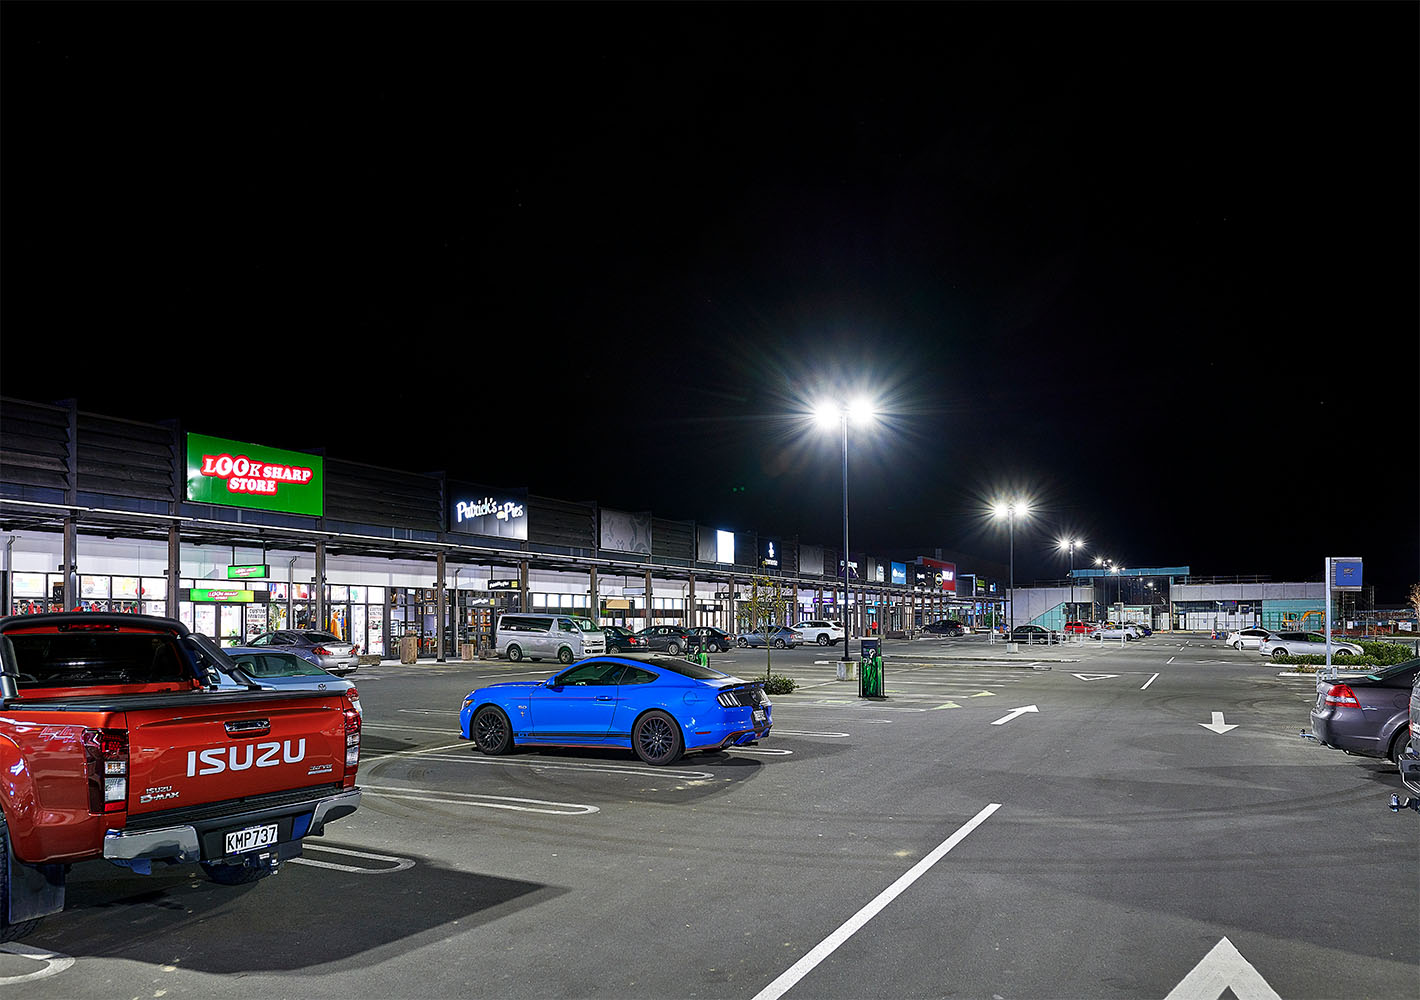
113,745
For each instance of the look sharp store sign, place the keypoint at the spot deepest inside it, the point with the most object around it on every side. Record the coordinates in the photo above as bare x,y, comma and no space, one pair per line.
943,574
481,510
238,474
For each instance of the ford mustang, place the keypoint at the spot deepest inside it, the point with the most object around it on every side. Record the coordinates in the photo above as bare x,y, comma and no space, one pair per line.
659,706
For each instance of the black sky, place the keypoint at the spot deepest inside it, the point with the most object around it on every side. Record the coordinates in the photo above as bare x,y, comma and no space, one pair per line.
1153,265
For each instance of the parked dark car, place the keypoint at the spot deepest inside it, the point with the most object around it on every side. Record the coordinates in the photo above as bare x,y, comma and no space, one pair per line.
945,627
332,652
665,639
1034,635
779,638
1366,714
714,640
621,640
1410,763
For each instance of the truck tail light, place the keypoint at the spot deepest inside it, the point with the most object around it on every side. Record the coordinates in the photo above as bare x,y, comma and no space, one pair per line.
106,763
1342,696
352,738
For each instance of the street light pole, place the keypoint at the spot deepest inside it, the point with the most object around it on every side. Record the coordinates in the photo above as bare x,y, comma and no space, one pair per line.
844,612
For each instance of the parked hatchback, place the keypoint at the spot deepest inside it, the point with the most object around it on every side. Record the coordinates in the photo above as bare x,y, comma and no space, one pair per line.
665,639
1247,638
779,638
621,640
1305,644
1366,714
711,638
332,652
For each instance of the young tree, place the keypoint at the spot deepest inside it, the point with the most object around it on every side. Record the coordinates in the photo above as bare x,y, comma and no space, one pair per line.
763,613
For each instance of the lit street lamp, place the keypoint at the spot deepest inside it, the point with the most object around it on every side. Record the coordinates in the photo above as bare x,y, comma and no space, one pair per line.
1069,544
1010,511
860,411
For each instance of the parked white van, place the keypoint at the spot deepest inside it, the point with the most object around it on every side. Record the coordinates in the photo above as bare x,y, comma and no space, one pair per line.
537,637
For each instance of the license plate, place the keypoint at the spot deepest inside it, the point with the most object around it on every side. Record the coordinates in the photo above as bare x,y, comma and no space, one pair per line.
251,838
758,715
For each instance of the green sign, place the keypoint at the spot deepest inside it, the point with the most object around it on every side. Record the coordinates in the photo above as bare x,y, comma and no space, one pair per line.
223,596
248,572
237,474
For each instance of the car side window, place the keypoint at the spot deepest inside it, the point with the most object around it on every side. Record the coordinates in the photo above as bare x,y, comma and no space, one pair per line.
593,672
262,640
635,675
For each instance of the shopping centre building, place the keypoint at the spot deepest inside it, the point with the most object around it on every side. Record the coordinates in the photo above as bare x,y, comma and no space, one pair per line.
234,538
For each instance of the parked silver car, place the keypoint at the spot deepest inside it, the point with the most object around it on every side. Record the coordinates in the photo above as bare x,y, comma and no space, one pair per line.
279,670
1305,644
1247,638
332,652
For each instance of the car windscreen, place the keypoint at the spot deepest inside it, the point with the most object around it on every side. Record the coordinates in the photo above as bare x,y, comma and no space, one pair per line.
1381,673
319,637
689,669
261,665
94,659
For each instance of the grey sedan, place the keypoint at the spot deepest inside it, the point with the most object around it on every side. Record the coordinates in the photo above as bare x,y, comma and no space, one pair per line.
1366,714
270,668
1305,644
331,652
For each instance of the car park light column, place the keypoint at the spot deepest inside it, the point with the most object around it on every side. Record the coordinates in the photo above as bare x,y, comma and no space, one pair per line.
1009,511
827,414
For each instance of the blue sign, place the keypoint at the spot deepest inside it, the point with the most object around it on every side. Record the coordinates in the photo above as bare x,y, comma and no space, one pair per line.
1346,574
899,573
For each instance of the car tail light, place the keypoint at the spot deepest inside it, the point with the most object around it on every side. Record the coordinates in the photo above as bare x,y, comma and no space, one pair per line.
354,649
1342,696
322,651
106,764
352,694
352,738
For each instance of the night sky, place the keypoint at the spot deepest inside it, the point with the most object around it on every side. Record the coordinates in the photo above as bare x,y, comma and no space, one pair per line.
1151,266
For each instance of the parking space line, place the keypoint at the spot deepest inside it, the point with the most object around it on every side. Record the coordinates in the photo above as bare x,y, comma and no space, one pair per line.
572,766
853,924
485,801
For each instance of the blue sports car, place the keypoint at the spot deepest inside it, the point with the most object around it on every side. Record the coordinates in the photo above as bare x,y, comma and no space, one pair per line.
659,706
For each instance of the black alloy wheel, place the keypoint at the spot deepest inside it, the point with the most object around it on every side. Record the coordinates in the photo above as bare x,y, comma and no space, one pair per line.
491,732
656,738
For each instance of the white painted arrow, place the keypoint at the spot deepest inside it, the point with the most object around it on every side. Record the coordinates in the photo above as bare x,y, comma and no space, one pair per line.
1223,969
1217,726
1015,714
1094,677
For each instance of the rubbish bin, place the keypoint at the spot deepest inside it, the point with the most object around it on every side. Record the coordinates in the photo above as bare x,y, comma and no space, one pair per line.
870,677
409,649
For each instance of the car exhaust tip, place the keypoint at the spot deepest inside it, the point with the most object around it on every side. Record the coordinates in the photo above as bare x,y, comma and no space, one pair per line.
1307,736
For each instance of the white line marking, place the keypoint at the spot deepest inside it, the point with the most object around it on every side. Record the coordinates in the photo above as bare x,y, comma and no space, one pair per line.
493,801
853,924
54,962
1223,969
400,864
1168,661
767,751
804,732
572,766
1148,682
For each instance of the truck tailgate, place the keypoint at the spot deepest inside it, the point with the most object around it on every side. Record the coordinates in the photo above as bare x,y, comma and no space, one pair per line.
232,751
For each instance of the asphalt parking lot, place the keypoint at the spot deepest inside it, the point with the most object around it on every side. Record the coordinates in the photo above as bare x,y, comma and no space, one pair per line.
1078,821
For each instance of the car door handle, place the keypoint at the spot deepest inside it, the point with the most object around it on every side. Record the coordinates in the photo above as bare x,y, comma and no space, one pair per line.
605,697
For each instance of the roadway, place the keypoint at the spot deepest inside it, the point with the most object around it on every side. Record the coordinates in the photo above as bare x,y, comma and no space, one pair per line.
1063,822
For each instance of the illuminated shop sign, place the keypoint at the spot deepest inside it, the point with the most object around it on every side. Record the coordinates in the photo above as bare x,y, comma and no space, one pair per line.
899,573
252,572
769,554
218,596
943,574
238,474
479,510
505,585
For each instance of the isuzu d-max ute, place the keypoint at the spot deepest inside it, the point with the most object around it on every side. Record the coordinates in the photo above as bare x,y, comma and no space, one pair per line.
114,745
